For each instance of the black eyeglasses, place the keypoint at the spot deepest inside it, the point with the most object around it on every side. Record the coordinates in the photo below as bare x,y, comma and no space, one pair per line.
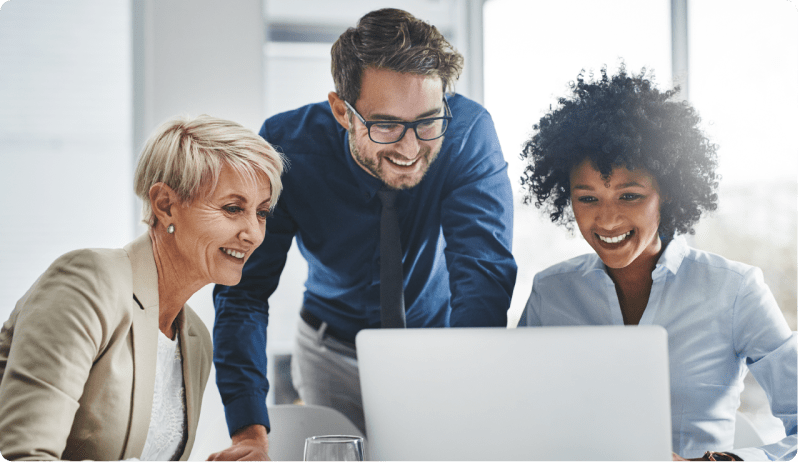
384,132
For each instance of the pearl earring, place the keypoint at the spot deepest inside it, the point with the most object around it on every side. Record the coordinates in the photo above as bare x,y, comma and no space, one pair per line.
170,229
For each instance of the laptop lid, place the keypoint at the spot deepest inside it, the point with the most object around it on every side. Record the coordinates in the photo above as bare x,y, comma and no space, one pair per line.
548,393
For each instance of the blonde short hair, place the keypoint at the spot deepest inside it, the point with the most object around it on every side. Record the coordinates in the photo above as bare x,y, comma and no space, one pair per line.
187,154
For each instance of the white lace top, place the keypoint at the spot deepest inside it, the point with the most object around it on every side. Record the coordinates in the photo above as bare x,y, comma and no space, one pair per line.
167,434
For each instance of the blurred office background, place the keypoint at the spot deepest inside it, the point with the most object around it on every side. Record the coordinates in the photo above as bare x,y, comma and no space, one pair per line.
83,83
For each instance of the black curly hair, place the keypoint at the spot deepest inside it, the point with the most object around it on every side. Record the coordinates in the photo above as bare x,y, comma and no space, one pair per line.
623,121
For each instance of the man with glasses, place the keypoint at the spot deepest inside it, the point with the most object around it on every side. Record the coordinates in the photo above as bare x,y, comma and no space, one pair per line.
391,167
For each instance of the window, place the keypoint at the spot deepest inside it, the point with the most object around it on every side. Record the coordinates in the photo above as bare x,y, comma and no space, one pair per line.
532,50
742,69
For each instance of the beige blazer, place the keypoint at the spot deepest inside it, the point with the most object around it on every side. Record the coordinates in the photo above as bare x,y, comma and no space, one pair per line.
78,354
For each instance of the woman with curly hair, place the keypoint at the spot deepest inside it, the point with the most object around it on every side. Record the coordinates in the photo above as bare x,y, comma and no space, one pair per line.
632,168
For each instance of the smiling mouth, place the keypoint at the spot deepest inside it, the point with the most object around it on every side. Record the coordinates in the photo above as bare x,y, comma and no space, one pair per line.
402,163
616,239
233,253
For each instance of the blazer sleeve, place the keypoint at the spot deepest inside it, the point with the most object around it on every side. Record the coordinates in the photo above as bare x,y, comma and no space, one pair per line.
56,332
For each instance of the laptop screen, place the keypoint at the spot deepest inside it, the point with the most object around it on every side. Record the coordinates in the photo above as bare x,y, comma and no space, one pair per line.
550,393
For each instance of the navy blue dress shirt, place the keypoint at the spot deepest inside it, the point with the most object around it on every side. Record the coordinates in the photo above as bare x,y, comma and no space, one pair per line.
456,234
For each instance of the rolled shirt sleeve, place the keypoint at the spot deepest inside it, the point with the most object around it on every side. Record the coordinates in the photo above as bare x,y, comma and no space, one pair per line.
770,349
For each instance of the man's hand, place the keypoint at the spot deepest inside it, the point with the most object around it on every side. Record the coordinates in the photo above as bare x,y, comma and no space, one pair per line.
249,443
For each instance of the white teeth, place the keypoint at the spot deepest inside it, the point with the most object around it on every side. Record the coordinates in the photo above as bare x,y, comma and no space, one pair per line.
403,164
616,239
233,253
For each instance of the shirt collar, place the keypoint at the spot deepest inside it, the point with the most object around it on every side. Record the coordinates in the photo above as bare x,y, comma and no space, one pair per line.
594,264
670,260
368,184
673,256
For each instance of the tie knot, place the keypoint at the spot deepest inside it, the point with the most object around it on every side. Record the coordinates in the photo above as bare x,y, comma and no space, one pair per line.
387,197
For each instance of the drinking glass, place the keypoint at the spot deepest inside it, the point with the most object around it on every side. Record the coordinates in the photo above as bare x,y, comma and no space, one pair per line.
334,447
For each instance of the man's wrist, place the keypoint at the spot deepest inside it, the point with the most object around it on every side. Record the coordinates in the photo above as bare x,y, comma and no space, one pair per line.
246,410
255,432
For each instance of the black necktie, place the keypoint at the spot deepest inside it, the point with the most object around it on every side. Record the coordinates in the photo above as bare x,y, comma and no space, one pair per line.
392,297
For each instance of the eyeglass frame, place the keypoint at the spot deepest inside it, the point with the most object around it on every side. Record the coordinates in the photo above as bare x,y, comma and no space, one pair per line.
406,125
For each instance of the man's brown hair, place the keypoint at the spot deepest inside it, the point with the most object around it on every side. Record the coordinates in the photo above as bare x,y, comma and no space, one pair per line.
395,40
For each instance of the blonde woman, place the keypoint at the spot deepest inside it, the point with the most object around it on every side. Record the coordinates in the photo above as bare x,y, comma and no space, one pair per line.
102,358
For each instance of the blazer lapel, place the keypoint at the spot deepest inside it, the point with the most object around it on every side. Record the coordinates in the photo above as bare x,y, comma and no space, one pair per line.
192,365
145,341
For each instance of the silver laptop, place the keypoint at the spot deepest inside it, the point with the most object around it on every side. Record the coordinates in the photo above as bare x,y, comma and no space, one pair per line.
551,393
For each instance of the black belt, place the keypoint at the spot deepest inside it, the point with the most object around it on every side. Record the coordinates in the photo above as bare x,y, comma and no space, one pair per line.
315,323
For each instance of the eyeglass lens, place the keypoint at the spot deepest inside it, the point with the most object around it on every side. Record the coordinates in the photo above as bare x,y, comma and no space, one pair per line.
392,132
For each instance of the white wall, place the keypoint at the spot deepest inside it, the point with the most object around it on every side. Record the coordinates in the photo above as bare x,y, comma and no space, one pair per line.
199,56
65,134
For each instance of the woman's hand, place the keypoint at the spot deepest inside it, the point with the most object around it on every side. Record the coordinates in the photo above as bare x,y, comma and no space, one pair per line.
249,443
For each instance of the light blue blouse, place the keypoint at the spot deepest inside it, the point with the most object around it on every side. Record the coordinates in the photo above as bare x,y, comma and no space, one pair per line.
721,320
